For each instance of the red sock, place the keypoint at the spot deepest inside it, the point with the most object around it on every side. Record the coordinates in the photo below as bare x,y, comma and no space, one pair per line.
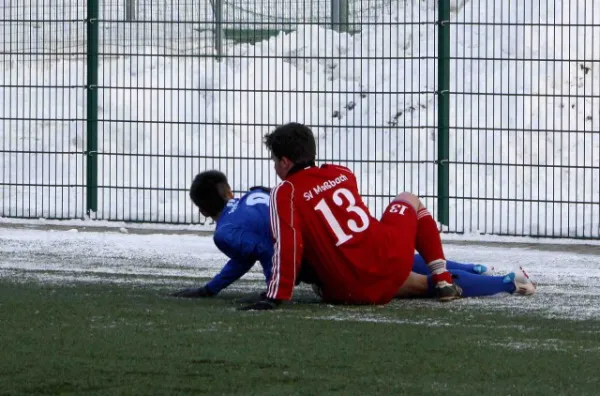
429,244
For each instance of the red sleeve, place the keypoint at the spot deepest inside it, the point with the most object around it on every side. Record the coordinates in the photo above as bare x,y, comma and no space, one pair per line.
287,235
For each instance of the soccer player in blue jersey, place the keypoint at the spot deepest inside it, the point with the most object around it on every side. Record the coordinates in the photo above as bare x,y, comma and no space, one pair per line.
243,234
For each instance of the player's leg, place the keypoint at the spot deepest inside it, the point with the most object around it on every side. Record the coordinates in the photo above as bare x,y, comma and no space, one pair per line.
420,267
399,237
427,242
477,269
416,285
474,285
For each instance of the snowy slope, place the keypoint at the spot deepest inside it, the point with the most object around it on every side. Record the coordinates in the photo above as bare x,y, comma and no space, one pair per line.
221,110
514,134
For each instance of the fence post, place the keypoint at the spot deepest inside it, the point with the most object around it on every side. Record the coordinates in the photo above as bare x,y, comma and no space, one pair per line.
443,93
344,26
339,15
130,7
335,15
92,106
217,6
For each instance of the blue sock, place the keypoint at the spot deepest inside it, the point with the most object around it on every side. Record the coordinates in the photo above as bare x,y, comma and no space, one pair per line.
471,268
420,266
474,285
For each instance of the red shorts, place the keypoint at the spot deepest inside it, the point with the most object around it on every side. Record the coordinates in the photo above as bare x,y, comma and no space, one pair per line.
400,221
393,249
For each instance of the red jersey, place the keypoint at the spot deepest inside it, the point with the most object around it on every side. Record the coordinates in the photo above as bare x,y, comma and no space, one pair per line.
317,213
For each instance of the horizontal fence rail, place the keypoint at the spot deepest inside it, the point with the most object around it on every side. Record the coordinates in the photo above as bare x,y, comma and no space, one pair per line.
488,110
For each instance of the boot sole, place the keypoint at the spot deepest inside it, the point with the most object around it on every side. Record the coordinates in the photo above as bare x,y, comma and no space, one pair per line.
449,298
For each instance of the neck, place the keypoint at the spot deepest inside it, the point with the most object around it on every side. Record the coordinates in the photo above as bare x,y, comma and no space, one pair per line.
218,215
300,166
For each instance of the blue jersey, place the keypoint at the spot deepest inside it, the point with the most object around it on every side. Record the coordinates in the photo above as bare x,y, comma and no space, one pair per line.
243,233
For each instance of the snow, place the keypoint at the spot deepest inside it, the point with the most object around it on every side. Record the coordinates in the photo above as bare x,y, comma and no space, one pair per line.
525,164
567,281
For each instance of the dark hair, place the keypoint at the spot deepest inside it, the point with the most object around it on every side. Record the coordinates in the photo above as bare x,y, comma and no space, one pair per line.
294,141
208,191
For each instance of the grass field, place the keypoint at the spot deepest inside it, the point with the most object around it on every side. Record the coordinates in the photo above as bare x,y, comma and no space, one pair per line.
89,314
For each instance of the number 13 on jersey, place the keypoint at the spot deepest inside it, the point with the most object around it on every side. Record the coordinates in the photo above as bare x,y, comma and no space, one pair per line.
351,225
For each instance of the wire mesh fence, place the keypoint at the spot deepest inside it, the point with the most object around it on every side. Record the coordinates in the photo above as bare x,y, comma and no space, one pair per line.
526,94
523,120
42,30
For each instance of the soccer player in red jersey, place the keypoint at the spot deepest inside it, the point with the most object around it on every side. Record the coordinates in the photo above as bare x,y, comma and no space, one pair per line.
317,213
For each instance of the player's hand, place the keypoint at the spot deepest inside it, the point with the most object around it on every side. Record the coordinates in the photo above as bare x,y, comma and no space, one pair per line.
199,292
262,305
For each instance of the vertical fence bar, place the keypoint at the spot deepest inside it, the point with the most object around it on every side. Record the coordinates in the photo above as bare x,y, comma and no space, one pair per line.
344,16
130,6
91,153
335,15
217,6
443,93
339,15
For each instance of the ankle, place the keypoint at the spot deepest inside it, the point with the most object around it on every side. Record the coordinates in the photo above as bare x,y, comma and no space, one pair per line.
442,277
437,266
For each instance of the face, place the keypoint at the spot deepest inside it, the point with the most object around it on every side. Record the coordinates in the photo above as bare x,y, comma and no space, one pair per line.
282,166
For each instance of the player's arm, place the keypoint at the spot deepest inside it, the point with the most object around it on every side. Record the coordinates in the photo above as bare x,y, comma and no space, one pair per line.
242,247
286,229
231,272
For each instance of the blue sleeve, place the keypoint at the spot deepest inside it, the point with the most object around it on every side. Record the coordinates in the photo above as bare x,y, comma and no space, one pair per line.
243,248
232,271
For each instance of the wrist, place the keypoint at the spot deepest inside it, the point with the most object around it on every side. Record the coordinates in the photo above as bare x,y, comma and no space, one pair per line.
208,291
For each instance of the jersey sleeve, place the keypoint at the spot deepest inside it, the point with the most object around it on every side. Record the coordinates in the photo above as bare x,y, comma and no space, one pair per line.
286,229
232,271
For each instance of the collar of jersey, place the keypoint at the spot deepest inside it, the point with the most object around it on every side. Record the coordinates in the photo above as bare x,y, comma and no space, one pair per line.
227,208
300,166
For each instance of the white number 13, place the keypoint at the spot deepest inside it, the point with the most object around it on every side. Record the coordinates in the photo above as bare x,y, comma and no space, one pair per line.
355,227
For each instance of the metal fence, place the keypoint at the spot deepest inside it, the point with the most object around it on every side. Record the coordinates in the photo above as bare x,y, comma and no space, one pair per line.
489,110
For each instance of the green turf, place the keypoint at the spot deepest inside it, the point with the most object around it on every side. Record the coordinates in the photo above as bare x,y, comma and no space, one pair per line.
125,340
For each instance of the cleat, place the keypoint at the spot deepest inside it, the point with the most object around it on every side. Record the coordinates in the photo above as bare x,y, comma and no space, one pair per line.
523,284
483,269
448,291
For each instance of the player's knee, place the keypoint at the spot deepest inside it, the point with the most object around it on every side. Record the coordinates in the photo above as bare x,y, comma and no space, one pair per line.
411,199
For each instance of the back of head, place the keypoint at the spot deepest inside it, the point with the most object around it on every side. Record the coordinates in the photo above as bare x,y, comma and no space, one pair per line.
294,141
209,192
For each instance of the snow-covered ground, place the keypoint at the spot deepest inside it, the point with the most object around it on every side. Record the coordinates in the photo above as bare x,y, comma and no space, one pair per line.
567,281
526,161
